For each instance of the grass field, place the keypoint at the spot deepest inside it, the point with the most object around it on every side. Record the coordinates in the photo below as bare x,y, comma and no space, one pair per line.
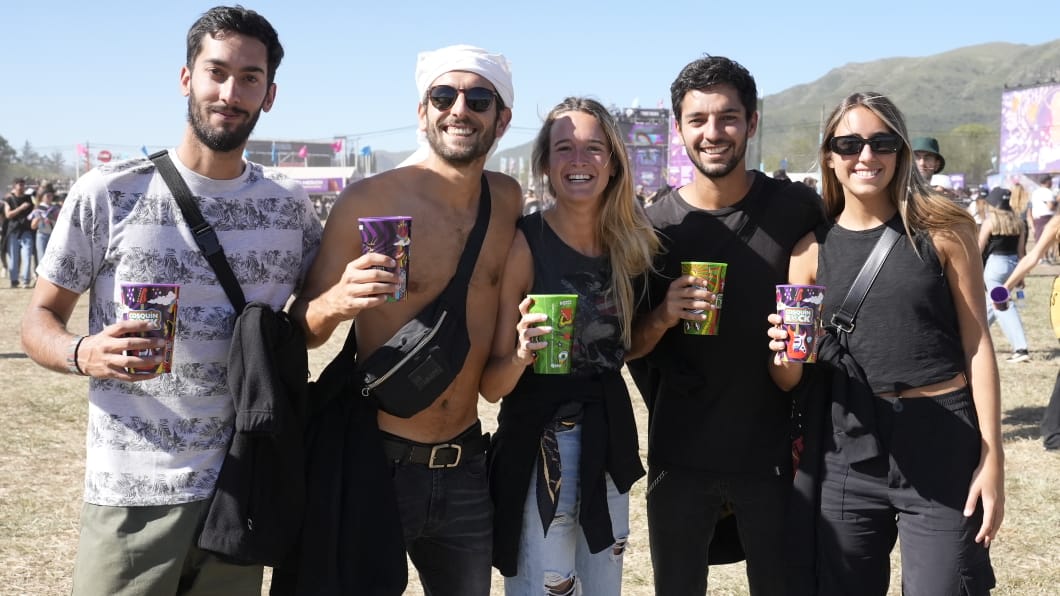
42,417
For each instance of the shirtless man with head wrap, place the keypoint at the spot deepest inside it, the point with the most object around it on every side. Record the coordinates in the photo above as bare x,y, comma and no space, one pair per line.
465,100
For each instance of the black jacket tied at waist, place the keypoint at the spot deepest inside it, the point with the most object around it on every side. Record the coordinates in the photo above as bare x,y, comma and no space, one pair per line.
609,444
853,408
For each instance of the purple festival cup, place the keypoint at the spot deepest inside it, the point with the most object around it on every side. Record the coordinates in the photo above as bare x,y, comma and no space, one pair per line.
999,296
800,308
391,236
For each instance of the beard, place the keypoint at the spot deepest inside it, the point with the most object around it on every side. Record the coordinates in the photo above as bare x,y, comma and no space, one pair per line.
219,139
717,170
465,154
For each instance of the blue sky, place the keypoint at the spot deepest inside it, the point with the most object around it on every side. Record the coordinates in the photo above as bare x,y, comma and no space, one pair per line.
106,73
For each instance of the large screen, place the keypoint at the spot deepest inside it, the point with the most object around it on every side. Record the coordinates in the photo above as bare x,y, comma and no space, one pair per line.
1030,130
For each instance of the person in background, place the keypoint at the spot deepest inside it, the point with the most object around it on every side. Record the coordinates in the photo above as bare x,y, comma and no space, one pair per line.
43,219
531,202
913,449
17,207
565,454
1050,238
1042,209
720,429
156,442
929,160
465,97
1001,241
1020,203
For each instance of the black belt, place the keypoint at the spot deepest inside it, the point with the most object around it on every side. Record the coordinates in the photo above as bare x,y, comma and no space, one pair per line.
442,455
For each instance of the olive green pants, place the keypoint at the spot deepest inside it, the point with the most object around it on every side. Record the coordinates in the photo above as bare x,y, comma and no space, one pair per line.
151,551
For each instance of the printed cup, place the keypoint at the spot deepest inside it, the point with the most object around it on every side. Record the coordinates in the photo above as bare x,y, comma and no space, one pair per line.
999,296
391,236
156,303
554,359
801,309
714,276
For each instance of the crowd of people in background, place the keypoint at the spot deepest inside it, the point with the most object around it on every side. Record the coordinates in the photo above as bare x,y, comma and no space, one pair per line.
29,212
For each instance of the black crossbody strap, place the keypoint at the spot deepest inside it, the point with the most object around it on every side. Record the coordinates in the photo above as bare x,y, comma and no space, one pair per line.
843,318
204,234
475,238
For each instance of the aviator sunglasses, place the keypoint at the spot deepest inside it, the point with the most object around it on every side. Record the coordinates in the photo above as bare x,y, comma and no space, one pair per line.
478,99
853,144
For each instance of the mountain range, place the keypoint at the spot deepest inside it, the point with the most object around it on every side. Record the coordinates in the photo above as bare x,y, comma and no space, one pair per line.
954,96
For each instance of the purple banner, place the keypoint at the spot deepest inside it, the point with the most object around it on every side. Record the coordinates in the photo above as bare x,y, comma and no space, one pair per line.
1030,130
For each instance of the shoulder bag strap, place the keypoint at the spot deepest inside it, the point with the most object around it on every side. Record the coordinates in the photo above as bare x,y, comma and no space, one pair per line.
474,240
843,318
204,234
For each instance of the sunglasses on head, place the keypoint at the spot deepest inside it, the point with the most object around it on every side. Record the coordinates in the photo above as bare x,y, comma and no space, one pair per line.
478,99
853,144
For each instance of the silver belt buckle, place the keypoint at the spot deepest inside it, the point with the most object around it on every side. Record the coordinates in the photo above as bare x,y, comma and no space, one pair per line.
432,463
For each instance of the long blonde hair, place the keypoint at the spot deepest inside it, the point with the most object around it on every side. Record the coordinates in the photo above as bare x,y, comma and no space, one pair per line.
1005,222
624,230
921,208
1019,199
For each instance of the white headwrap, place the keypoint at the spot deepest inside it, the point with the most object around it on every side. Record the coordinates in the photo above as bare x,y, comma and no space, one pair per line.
431,65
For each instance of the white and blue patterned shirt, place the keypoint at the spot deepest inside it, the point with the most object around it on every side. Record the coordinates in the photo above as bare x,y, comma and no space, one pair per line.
162,441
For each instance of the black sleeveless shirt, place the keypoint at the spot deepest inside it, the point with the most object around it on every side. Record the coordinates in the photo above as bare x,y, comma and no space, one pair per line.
559,269
1002,245
906,332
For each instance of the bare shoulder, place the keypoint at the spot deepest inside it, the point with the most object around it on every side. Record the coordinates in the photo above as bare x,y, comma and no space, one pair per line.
956,244
506,192
803,265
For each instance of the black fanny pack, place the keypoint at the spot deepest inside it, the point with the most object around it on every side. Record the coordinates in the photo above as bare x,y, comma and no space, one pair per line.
407,373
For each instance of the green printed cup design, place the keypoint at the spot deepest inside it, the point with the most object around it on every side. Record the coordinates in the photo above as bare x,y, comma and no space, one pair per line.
554,359
713,275
800,309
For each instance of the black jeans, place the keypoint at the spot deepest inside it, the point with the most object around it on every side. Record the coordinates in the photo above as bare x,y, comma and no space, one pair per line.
684,506
915,489
447,519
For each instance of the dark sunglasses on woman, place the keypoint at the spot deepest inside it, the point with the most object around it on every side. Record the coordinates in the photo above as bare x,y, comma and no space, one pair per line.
853,144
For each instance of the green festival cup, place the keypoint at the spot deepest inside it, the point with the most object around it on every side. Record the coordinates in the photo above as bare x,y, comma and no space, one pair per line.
554,359
713,276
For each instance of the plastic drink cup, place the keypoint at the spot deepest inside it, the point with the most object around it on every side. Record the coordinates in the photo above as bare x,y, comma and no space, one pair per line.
999,296
391,236
554,359
713,275
801,308
156,303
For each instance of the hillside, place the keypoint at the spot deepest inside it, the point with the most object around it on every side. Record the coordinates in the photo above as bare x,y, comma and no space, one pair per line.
954,96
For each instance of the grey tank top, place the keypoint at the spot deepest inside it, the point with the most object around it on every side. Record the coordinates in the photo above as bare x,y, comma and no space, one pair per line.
906,332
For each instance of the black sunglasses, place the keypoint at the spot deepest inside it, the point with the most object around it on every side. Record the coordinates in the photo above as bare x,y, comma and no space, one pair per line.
478,99
853,144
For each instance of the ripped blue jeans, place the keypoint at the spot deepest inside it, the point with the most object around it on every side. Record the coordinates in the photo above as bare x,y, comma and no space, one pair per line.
560,562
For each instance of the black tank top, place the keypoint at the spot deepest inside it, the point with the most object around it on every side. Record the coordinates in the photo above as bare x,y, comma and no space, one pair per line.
906,332
1002,245
559,269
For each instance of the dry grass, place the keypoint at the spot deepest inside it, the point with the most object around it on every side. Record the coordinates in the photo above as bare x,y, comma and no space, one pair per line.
42,418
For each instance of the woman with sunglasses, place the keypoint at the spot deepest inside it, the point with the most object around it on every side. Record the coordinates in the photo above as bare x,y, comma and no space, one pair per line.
565,453
915,444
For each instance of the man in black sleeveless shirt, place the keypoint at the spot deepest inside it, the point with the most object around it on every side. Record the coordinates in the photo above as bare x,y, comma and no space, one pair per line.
719,430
